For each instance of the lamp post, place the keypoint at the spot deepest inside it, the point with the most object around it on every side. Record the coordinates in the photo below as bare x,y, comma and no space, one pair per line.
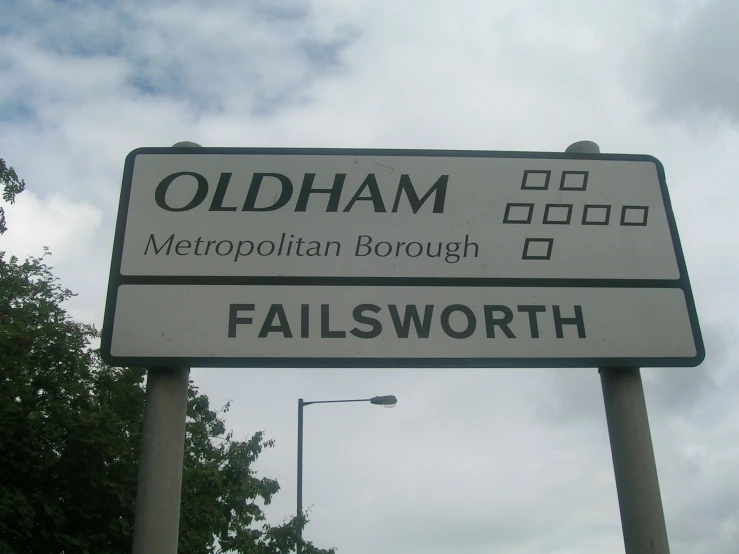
386,401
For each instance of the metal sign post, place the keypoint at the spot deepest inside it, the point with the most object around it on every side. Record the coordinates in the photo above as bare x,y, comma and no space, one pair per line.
637,483
635,469
159,488
157,519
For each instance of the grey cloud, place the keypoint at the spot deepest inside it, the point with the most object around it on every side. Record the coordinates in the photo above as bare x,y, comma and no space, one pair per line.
576,395
690,69
231,61
705,520
326,55
231,48
464,530
678,390
283,9
681,390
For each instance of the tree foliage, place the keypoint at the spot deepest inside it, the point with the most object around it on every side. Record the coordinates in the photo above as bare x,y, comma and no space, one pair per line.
70,429
12,186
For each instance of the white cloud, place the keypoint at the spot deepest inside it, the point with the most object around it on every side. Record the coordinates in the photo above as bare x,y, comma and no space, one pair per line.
687,72
66,228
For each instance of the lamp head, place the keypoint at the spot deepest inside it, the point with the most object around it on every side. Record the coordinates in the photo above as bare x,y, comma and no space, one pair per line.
387,401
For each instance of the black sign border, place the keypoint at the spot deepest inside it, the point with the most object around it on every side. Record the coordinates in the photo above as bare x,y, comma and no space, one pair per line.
115,279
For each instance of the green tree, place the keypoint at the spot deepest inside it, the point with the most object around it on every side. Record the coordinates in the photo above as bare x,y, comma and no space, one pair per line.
11,187
70,430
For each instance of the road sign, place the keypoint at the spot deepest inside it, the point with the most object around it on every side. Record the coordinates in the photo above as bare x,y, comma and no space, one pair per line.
301,257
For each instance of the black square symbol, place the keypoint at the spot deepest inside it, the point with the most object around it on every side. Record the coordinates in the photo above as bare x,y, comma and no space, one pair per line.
596,214
574,180
634,215
537,249
558,214
518,213
536,179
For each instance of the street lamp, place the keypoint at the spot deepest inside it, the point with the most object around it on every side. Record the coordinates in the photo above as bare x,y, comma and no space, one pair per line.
388,401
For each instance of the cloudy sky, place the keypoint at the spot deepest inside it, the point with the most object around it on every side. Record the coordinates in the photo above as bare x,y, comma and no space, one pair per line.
470,461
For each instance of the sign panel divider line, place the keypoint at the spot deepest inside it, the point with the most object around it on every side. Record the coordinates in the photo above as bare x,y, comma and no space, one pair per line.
402,281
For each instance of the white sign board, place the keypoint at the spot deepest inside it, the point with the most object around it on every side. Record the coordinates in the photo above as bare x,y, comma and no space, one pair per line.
285,257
